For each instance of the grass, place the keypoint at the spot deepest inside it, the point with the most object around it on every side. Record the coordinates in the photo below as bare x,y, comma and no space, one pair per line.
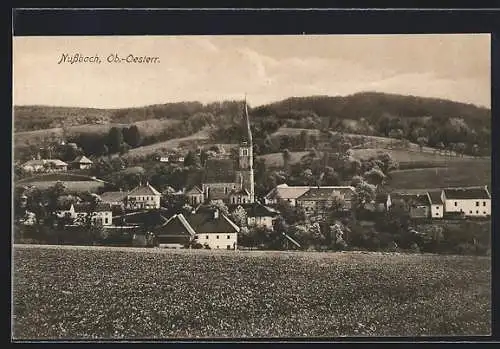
412,156
275,160
71,186
466,173
91,293
199,137
146,128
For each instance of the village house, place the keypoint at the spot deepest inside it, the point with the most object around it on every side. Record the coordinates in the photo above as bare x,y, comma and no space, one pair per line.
320,200
470,201
195,196
45,165
418,205
209,228
286,193
143,197
257,214
82,163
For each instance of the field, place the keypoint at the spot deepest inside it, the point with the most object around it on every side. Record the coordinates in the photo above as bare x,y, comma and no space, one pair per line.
98,292
466,173
199,137
146,127
275,160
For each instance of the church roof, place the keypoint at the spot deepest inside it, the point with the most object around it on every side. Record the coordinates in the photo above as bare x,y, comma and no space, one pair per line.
219,171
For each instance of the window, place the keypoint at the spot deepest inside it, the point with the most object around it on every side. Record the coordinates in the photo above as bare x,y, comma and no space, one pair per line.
437,207
455,203
484,212
245,152
106,220
484,203
217,246
477,203
206,237
228,237
470,212
217,237
228,247
437,213
225,190
477,212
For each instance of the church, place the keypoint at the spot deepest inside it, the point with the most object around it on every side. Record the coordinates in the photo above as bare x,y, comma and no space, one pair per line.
228,179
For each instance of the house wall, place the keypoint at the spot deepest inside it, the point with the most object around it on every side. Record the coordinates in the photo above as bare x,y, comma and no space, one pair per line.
143,201
226,187
195,199
437,211
219,240
470,207
106,217
239,199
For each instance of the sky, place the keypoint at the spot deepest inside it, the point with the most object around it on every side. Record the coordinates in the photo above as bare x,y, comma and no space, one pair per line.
265,68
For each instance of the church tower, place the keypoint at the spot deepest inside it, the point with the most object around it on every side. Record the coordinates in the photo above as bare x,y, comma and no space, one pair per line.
245,160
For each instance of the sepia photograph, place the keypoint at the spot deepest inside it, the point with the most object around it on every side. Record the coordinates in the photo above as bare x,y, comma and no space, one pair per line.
251,186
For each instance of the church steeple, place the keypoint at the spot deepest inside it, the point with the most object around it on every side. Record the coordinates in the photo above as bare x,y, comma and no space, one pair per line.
246,156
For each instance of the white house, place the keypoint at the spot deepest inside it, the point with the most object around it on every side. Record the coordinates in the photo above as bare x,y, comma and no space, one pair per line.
437,205
257,214
45,165
82,162
101,213
209,228
471,201
143,197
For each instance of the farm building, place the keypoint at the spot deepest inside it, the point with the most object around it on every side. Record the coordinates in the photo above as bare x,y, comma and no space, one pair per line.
319,200
257,214
418,205
100,214
471,201
210,228
286,193
82,163
45,165
143,197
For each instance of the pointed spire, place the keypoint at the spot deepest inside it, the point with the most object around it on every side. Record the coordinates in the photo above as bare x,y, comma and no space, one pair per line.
247,124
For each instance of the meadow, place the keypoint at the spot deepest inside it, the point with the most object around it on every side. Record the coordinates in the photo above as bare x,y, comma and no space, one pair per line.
131,293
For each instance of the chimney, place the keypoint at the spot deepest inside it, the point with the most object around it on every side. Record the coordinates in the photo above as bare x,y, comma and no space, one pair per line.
216,214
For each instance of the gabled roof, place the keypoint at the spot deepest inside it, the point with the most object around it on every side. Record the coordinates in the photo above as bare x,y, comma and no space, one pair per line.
255,209
177,225
113,196
219,171
194,190
419,199
286,192
435,197
323,193
82,159
41,162
242,191
144,190
480,193
204,222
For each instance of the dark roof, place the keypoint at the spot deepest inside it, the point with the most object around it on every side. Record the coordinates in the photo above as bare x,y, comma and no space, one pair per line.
204,222
177,225
219,171
241,191
102,207
419,199
113,196
435,197
255,209
467,193
320,193
85,207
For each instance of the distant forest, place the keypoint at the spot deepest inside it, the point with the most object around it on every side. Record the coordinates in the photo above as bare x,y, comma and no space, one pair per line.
429,121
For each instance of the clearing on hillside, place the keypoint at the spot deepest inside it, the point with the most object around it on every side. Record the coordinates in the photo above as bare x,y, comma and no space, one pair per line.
100,293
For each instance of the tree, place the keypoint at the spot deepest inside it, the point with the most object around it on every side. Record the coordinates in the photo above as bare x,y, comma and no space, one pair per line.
364,193
461,148
286,159
304,139
375,176
219,205
114,140
191,159
239,216
53,193
132,136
